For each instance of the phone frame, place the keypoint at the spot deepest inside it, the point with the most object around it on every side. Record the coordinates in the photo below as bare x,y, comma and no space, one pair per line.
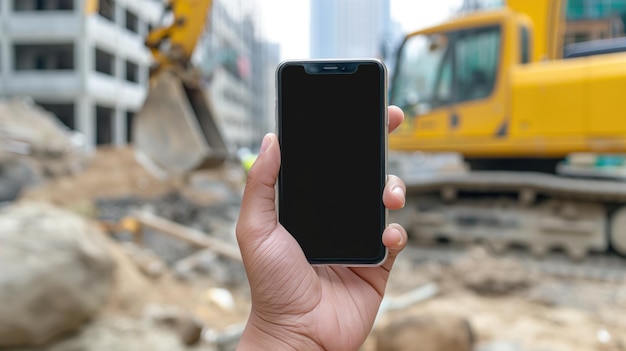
349,65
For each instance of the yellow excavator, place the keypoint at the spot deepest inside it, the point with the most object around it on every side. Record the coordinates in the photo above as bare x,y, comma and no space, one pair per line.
176,131
541,126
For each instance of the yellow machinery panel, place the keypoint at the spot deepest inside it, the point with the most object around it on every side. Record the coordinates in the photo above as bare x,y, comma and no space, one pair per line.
493,85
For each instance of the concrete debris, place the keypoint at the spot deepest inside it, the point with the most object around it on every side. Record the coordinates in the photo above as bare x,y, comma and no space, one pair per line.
56,273
194,239
224,340
217,218
573,294
404,301
37,138
21,121
500,345
196,263
147,261
220,297
603,336
490,275
187,234
187,326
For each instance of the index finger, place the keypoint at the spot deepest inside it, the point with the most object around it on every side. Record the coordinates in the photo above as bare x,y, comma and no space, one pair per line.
396,116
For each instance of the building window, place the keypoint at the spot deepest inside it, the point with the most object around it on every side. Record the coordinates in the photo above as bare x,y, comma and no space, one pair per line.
106,9
105,62
130,119
43,5
132,22
104,125
44,57
63,112
132,72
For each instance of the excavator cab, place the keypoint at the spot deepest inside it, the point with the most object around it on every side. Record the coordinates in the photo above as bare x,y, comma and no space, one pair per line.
176,131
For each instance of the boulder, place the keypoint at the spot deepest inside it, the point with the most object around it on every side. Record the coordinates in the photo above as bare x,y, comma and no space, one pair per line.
56,273
425,333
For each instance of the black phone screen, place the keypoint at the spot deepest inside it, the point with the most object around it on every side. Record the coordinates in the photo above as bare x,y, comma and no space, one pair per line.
332,128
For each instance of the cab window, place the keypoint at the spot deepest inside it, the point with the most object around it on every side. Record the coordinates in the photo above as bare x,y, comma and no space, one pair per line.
524,45
416,85
441,69
476,57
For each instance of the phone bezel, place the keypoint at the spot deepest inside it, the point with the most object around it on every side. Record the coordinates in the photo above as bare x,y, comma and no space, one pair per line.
341,66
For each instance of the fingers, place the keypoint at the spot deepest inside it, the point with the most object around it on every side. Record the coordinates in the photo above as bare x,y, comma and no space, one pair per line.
258,213
395,239
394,236
396,116
394,193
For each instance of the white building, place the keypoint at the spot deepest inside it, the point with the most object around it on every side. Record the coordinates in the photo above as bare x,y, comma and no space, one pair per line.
239,67
84,60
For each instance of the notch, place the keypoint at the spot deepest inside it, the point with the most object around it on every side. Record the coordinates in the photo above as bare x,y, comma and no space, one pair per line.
331,67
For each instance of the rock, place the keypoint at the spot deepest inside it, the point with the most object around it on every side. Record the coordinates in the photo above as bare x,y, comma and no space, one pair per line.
187,326
15,175
425,333
56,273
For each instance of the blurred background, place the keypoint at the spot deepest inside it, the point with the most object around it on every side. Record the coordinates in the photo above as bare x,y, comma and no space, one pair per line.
127,128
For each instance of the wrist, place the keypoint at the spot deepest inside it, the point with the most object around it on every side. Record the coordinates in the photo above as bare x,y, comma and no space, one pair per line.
263,335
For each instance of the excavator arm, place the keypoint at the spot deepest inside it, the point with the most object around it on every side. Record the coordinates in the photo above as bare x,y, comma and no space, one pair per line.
182,35
175,131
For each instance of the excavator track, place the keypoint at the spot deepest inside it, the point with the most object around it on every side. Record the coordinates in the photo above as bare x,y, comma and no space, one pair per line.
599,190
538,211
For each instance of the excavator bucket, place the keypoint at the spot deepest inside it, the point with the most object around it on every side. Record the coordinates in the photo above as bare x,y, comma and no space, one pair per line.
175,130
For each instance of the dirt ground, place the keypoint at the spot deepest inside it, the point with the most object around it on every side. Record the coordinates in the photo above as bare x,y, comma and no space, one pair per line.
544,313
537,312
111,172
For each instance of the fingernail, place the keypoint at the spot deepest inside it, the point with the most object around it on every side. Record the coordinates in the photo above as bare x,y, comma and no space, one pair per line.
265,143
401,240
399,192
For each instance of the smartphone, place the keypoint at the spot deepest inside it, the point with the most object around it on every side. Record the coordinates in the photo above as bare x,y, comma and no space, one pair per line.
332,129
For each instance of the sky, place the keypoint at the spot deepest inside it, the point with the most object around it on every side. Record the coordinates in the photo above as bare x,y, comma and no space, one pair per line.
287,21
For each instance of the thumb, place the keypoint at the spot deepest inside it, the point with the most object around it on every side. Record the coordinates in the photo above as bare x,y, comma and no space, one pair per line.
257,215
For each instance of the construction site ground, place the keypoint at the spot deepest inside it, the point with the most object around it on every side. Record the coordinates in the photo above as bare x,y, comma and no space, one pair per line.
510,301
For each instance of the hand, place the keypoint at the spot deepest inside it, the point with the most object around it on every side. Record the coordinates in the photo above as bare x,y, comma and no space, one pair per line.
297,306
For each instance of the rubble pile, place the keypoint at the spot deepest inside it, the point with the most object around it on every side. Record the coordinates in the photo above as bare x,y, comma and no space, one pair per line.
186,260
487,274
34,145
73,288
